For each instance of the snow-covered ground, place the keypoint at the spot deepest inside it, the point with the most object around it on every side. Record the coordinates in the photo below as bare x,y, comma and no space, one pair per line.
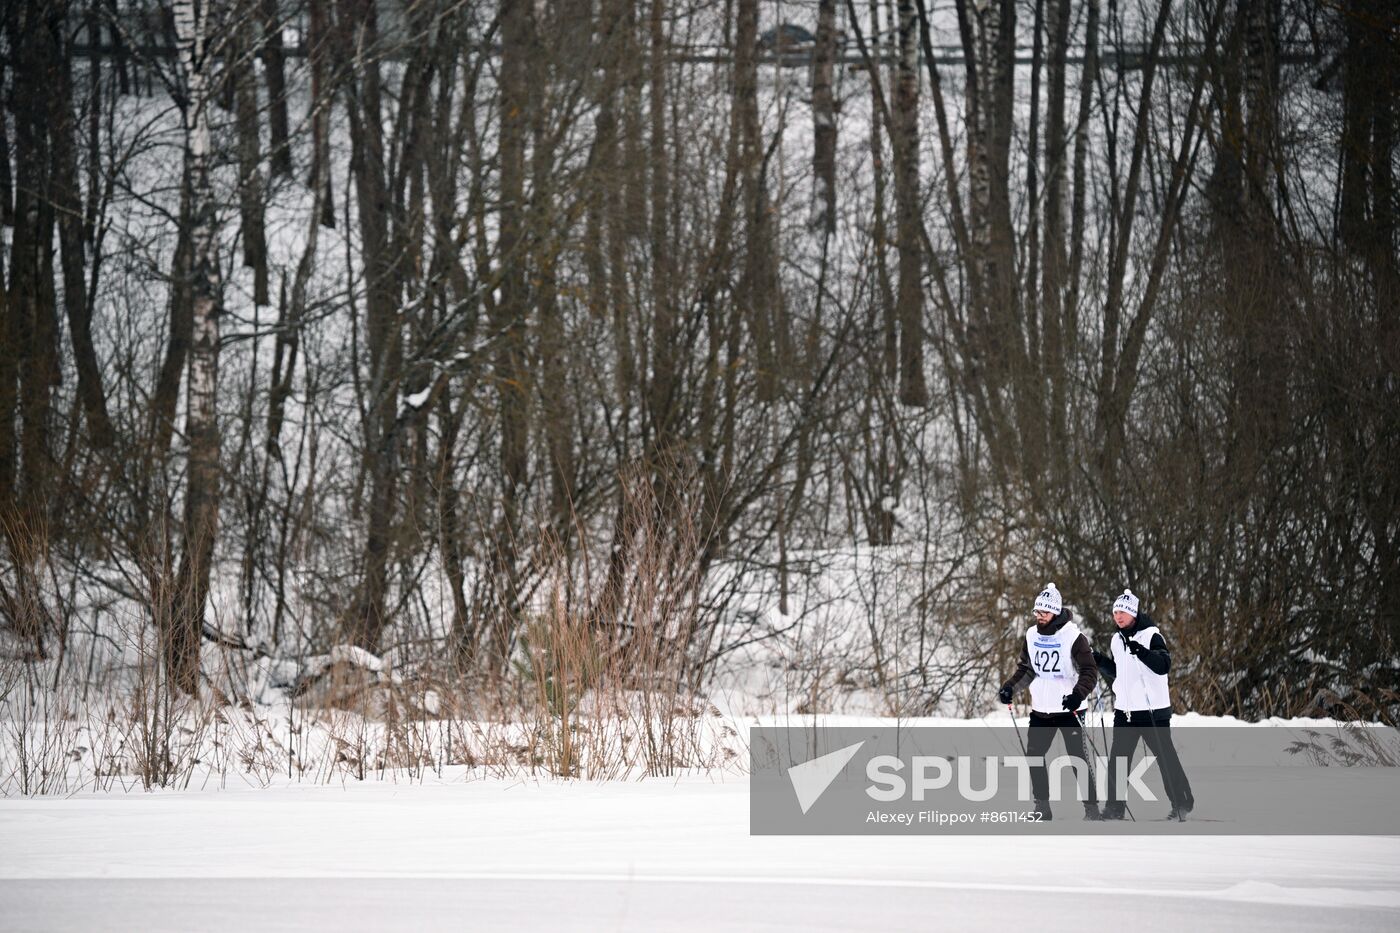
461,853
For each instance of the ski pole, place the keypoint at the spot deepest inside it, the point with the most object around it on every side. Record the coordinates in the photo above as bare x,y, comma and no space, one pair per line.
1103,730
1089,737
1018,729
1085,736
1103,733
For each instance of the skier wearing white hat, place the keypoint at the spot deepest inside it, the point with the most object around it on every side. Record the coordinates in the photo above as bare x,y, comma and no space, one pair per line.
1142,708
1057,663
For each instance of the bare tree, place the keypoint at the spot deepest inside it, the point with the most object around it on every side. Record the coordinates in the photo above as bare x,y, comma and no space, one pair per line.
567,309
823,215
511,316
904,141
202,493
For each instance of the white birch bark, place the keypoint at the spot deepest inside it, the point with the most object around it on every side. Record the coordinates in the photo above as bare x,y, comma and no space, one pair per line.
201,426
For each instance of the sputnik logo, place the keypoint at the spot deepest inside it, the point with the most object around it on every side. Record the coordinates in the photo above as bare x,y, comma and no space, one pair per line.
811,778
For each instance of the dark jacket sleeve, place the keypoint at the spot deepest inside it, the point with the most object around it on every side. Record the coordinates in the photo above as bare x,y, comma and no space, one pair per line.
1084,663
1156,657
1024,672
1107,666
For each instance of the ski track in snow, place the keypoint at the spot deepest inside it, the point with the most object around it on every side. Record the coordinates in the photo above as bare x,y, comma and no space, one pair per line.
655,854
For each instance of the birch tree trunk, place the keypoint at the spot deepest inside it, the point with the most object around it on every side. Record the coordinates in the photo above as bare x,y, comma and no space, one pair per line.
823,214
1079,182
7,181
904,138
992,328
200,526
665,381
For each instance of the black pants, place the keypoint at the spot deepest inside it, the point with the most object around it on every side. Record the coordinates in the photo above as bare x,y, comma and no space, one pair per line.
1153,727
1044,727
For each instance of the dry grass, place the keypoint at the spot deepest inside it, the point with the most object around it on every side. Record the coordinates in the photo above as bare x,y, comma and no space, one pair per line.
601,684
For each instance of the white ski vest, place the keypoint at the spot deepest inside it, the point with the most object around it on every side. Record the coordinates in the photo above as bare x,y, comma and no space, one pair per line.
1136,687
1054,667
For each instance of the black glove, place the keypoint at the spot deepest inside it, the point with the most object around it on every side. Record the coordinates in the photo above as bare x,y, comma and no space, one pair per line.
1004,694
1071,701
1134,647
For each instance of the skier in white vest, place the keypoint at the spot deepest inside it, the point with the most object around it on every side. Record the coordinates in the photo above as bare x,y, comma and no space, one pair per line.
1058,664
1142,705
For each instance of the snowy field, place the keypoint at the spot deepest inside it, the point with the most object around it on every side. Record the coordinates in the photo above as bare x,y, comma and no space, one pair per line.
466,854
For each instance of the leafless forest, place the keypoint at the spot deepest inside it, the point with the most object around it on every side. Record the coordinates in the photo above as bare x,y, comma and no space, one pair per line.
539,345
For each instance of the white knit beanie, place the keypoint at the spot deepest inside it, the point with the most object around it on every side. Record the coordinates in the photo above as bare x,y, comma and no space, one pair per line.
1048,600
1126,603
